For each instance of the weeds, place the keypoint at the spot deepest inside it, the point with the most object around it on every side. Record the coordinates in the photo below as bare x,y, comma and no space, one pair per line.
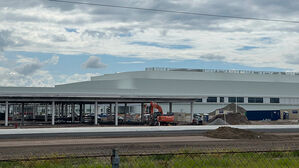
187,160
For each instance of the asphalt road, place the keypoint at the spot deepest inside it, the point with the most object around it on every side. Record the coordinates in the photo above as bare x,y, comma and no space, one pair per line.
44,142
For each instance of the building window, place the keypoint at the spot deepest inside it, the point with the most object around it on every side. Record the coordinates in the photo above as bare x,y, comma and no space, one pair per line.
274,100
198,100
212,99
295,111
221,99
233,99
255,100
240,99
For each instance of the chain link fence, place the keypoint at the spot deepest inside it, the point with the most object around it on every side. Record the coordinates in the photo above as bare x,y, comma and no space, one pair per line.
244,159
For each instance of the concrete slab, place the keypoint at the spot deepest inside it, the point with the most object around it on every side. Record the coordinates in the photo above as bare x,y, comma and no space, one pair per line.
20,131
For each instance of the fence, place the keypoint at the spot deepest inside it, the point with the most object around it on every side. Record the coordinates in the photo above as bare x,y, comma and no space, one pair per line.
256,159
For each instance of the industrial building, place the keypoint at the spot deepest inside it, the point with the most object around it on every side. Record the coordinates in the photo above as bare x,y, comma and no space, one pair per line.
121,96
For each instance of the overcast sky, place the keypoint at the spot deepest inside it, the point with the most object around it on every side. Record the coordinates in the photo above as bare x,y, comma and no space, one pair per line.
44,43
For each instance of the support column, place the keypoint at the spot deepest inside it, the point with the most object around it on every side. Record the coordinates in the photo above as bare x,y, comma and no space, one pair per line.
125,111
46,113
142,112
116,114
66,111
53,113
61,112
6,113
34,111
110,106
22,119
191,111
96,113
81,113
14,109
73,113
170,107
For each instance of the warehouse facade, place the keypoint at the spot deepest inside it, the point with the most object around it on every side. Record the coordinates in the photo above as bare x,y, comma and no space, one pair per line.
176,90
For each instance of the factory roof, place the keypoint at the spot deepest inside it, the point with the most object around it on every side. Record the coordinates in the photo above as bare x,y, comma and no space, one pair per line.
179,83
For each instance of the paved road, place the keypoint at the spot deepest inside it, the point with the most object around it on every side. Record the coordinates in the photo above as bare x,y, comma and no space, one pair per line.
132,131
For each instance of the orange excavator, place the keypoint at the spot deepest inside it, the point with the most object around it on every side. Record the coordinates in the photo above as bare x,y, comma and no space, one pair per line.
157,117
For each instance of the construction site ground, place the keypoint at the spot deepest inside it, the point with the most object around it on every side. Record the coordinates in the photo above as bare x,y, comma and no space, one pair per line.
72,146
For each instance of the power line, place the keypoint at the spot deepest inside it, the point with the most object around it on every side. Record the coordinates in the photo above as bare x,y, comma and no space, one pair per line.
177,12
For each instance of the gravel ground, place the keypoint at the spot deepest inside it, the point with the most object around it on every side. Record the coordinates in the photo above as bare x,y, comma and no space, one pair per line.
28,148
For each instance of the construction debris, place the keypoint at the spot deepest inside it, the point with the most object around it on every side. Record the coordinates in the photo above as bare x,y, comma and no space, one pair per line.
218,121
235,133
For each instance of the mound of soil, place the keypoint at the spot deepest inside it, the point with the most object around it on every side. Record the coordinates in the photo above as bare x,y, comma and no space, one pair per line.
218,121
232,119
232,107
235,133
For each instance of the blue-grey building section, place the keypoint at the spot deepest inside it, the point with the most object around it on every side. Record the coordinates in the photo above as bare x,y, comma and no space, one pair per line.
208,90
256,115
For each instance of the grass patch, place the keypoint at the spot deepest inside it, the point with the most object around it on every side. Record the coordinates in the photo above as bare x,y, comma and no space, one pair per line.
226,160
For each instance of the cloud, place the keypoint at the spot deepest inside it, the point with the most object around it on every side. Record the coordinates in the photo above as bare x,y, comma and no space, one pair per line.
247,48
169,46
28,65
291,59
71,30
53,60
94,63
132,62
2,57
5,39
10,77
212,57
28,69
50,27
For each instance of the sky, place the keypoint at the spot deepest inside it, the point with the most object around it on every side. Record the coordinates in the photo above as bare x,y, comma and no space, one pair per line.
45,43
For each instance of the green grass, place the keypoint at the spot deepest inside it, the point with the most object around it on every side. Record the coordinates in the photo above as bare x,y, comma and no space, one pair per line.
238,160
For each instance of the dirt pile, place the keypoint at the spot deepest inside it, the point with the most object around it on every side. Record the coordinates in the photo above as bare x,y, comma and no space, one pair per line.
235,133
218,121
232,119
231,108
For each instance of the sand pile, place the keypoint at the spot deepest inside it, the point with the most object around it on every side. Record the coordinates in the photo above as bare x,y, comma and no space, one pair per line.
235,133
232,119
